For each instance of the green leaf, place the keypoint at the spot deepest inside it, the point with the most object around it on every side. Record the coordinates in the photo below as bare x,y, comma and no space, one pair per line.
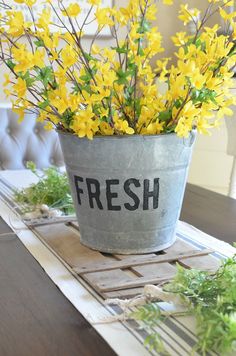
120,50
31,165
128,94
43,104
28,79
39,43
52,189
131,66
178,103
86,78
87,88
140,51
67,117
145,26
77,88
45,75
122,76
203,96
89,57
165,115
122,81
138,107
10,64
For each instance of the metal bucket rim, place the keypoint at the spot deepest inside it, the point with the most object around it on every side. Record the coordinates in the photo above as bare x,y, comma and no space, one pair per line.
134,137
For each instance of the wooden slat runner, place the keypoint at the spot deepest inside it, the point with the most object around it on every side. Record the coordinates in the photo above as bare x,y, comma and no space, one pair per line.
120,275
130,262
206,263
115,281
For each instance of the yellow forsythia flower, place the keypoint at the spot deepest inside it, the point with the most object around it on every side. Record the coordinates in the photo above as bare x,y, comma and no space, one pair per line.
168,2
20,87
26,2
72,10
103,17
114,90
94,2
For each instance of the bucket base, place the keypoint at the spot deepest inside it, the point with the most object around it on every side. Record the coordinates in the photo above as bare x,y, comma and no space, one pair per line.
132,251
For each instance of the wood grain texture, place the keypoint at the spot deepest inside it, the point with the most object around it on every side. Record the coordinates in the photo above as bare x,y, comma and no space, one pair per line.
210,212
36,319
66,243
90,266
157,270
205,263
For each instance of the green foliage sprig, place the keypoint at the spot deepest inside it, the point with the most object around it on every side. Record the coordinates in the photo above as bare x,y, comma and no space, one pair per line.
150,315
52,189
210,298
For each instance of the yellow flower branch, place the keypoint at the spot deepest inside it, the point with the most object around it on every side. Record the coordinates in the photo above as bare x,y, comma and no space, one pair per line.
113,90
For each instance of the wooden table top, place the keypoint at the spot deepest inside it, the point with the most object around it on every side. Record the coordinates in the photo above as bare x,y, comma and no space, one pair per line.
36,319
210,212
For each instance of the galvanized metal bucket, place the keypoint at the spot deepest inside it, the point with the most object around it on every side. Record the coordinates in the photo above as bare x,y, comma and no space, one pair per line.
127,190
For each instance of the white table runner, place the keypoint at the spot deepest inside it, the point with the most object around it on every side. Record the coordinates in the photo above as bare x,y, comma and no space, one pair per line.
124,338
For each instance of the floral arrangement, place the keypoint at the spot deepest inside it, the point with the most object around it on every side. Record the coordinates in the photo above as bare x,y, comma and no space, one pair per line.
114,91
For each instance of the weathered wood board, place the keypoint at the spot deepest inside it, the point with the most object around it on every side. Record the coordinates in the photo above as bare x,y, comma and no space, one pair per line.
120,275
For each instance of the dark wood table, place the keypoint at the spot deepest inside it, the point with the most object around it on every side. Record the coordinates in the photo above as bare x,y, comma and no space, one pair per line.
210,212
36,319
